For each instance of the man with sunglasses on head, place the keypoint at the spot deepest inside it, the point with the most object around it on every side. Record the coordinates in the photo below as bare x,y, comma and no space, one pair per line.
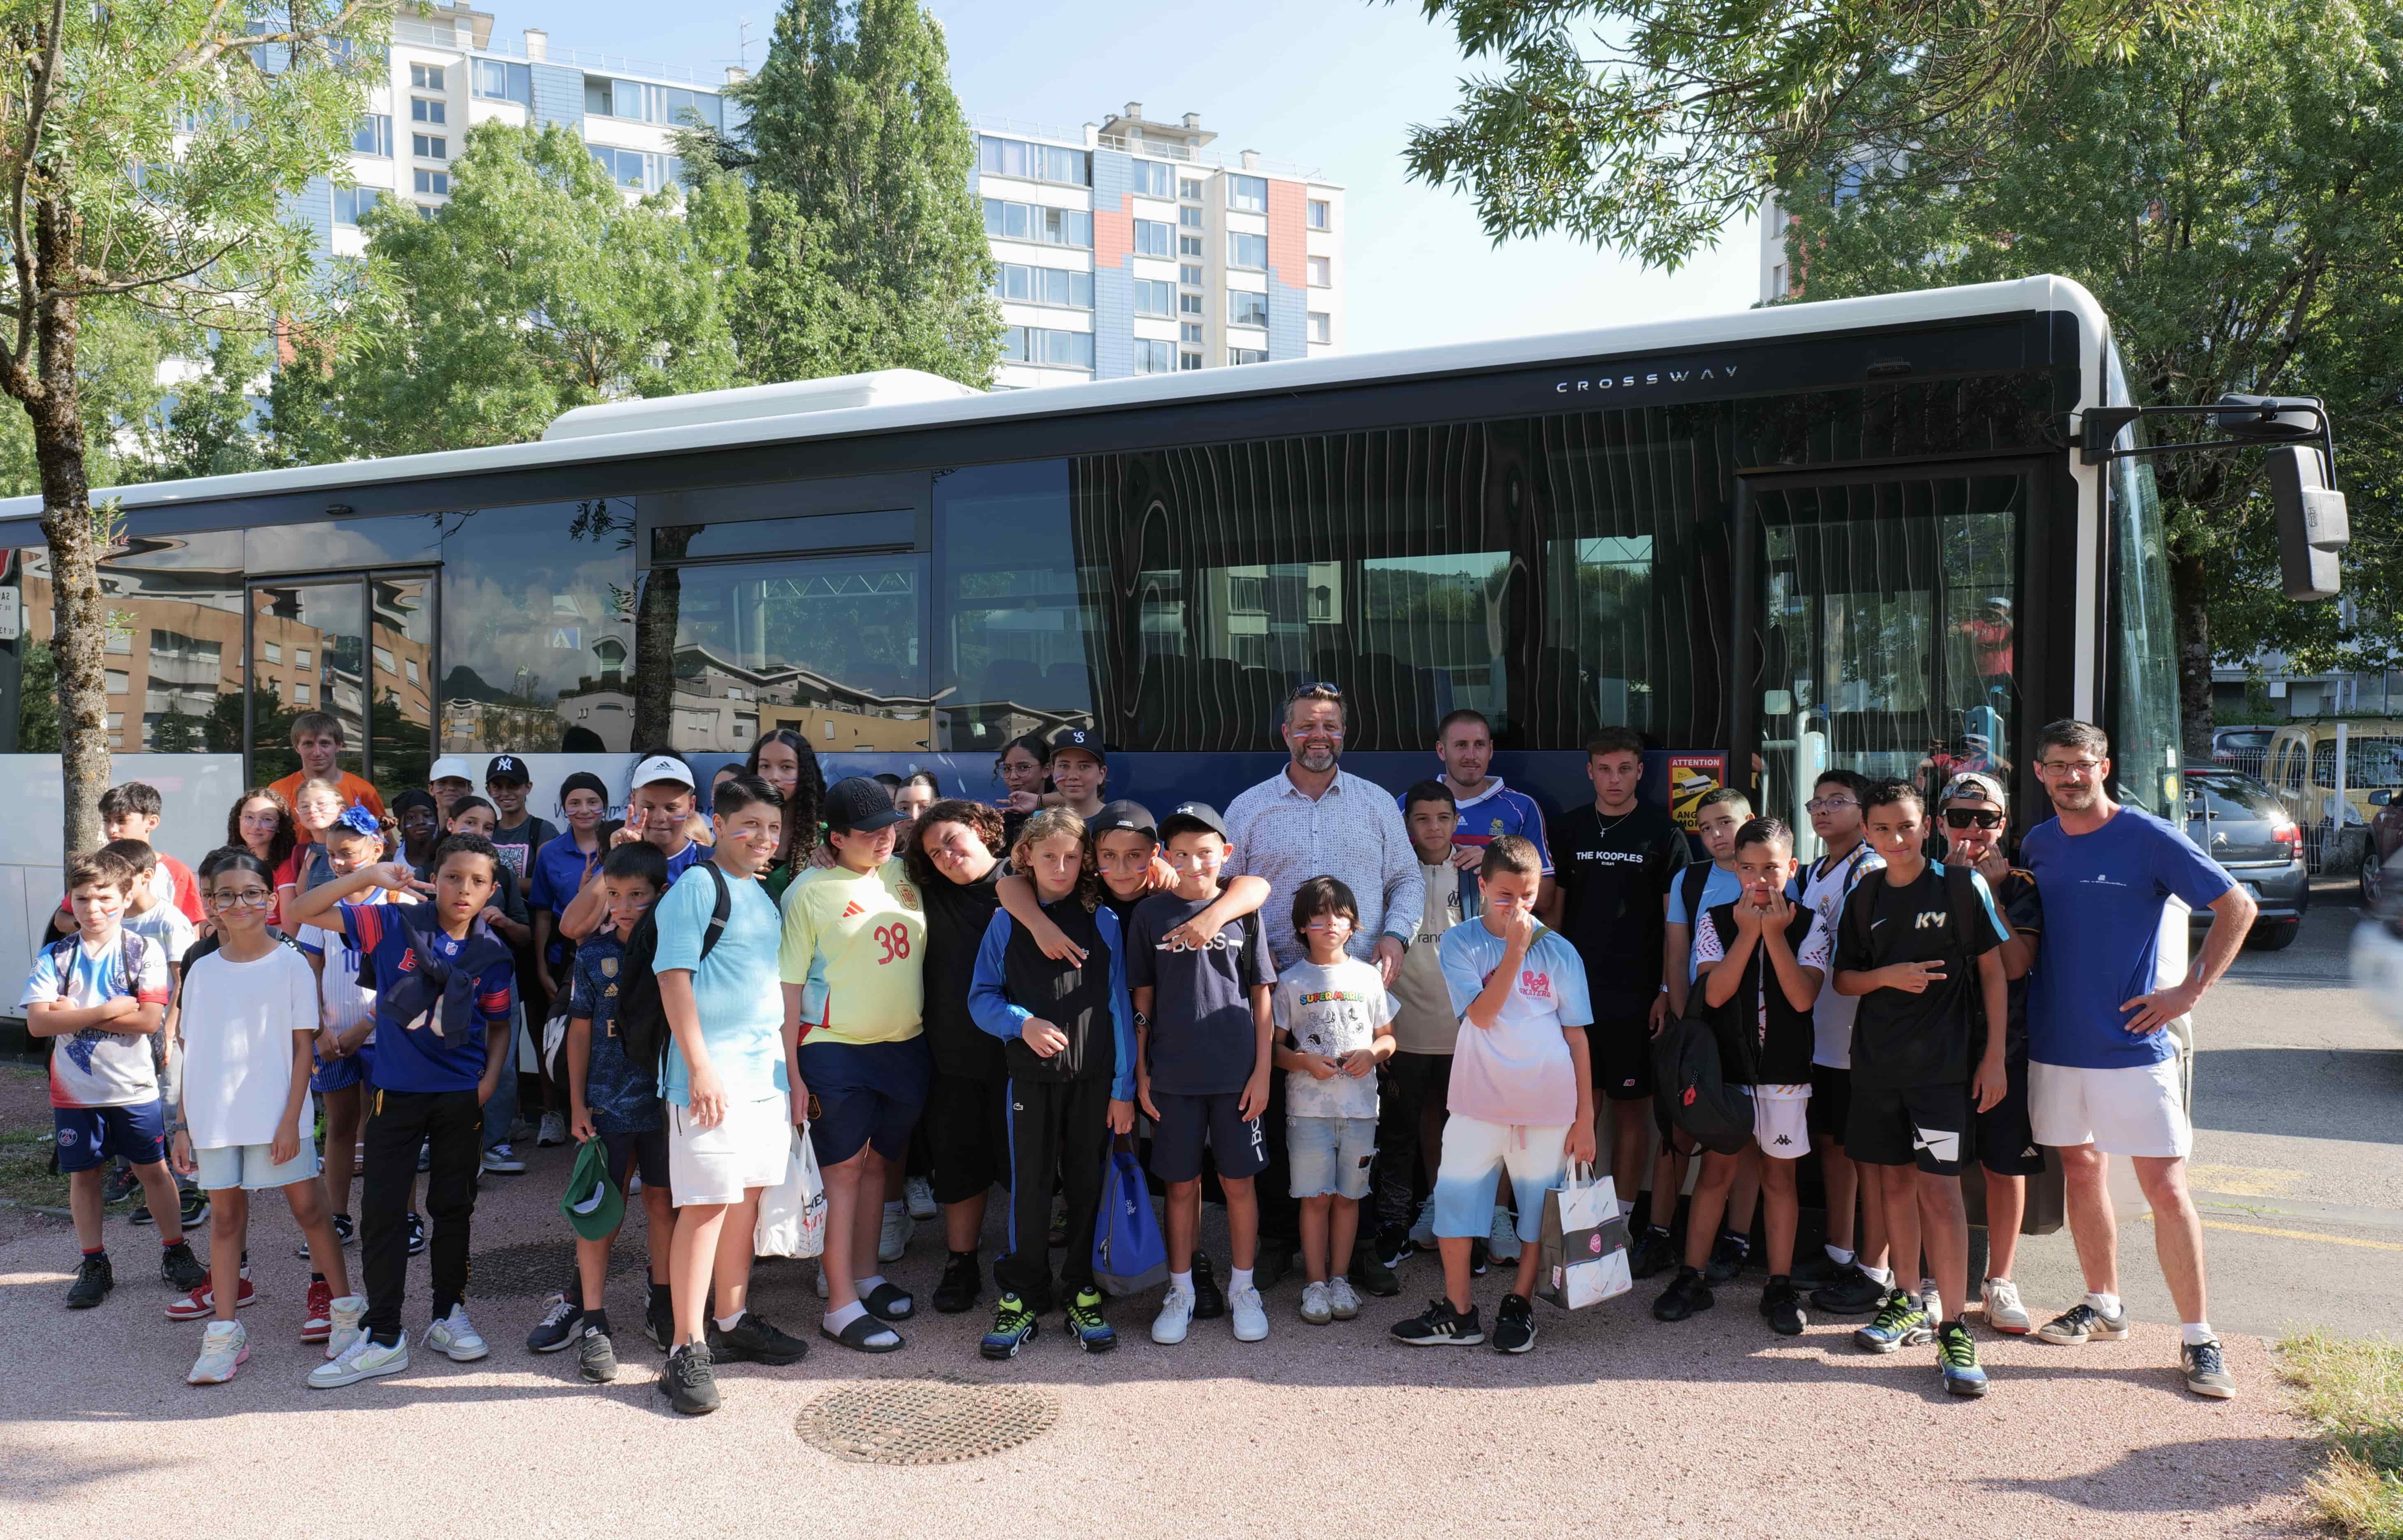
2104,1076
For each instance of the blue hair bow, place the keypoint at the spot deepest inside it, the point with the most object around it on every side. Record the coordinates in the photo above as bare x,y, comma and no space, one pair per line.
358,820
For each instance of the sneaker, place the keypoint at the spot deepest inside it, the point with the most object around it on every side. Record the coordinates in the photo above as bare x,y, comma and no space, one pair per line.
416,1232
455,1337
1815,1269
180,1269
1341,1300
317,1315
1440,1326
1504,1244
1396,1245
1477,1259
1687,1296
346,1315
554,1130
895,1238
2206,1370
1782,1303
562,1323
754,1339
362,1360
1957,1359
1514,1325
1900,1323
1855,1292
1275,1259
1175,1317
596,1356
690,1380
1423,1232
193,1207
225,1347
1314,1307
1651,1255
203,1301
93,1279
1093,1332
1367,1275
1013,1326
2003,1312
1931,1303
1251,1321
962,1283
917,1197
139,1214
2082,1322
1209,1302
659,1321
1728,1253
118,1184
822,1281
501,1160
344,1234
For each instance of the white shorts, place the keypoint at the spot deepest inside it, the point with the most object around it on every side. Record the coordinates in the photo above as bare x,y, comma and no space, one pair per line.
746,1151
249,1166
1781,1120
2133,1110
1474,1152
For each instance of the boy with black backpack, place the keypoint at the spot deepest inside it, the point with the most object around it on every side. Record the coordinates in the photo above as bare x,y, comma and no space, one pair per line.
1911,939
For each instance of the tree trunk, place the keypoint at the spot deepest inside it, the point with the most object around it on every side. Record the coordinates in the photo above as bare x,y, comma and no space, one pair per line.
79,613
2190,599
655,636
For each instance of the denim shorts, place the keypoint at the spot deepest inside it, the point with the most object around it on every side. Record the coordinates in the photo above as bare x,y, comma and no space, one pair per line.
1330,1155
253,1167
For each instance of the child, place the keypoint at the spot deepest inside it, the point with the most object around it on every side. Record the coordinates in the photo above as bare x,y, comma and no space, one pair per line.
507,915
103,992
132,811
1521,1091
1071,1079
346,1011
1339,1026
449,779
444,986
733,1094
560,869
1419,1072
260,822
617,1102
419,822
660,803
1203,1035
314,808
249,1014
1079,769
161,923
1023,769
517,835
1904,947
1765,959
317,739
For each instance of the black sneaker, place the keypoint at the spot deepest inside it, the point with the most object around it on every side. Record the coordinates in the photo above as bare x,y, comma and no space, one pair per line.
180,1269
1477,1259
658,1320
195,1206
1275,1261
1370,1276
1651,1255
416,1232
118,1184
1514,1325
1855,1292
1086,1323
93,1279
1686,1294
139,1214
1394,1248
560,1324
754,1339
2206,1370
1014,1325
596,1356
1728,1253
962,1284
1440,1326
1782,1303
1815,1269
1209,1300
690,1380
343,1233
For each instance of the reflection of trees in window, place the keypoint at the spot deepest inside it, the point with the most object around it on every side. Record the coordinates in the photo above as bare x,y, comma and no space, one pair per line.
655,638
38,700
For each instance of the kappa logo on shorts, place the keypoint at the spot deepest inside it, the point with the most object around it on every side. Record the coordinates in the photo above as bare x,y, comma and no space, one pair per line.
1944,1146
1785,1139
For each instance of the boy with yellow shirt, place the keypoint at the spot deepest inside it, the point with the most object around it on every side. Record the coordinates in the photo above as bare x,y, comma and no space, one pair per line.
854,936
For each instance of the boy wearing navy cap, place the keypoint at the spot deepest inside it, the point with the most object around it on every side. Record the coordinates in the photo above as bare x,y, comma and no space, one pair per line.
1080,767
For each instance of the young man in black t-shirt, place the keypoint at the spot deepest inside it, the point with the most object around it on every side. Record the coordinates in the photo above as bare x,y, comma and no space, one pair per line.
1919,946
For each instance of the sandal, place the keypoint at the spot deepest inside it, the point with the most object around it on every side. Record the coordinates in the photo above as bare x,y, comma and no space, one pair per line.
860,1336
888,1303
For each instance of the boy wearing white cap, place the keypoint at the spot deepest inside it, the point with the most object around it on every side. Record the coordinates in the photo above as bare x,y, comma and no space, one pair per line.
659,801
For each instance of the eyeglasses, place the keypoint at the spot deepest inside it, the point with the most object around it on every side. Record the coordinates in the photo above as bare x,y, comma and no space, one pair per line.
2072,769
1829,804
1962,818
222,901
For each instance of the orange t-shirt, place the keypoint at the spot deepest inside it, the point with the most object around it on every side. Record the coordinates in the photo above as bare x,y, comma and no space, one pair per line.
358,791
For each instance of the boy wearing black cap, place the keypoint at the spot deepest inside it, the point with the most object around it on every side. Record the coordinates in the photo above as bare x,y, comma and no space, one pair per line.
562,867
517,835
1080,767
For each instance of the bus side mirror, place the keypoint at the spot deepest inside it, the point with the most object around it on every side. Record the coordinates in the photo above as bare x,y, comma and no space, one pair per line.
2312,523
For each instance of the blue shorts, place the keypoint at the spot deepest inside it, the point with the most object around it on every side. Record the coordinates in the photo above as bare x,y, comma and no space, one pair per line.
341,1075
643,1155
864,1094
1329,1155
89,1136
1185,1121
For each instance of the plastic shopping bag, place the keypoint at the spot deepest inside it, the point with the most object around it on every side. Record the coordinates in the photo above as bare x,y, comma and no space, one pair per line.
792,1213
1584,1258
1128,1252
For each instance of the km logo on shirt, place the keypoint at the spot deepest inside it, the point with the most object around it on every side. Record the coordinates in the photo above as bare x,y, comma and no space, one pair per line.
1932,919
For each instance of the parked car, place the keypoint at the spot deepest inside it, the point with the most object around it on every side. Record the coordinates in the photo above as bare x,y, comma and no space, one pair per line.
2384,837
2236,821
2301,771
2377,951
2242,748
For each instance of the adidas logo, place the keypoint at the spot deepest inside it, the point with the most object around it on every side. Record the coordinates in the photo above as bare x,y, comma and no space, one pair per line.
851,910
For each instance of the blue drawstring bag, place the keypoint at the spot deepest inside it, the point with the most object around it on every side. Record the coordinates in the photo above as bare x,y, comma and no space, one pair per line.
1128,1252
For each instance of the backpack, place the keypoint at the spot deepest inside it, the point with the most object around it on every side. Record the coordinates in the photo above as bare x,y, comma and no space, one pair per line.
642,1020
1692,1091
1694,879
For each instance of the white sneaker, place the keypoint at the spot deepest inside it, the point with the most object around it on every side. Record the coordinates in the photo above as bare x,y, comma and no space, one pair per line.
917,1197
1932,1302
1503,1245
1314,1307
1251,1321
363,1359
1423,1233
503,1161
822,1281
454,1335
225,1347
895,1238
349,1310
1175,1317
2003,1312
554,1129
1340,1299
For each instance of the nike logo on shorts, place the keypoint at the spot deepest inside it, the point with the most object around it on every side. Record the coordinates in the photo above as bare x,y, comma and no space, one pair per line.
1944,1146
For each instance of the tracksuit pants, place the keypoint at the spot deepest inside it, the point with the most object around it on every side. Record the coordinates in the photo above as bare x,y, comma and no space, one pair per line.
1057,1128
452,1123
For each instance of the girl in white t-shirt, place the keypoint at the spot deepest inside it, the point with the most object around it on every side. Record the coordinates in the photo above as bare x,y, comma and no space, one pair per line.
249,1014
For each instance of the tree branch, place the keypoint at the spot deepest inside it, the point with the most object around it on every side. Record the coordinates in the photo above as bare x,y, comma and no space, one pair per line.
28,276
208,49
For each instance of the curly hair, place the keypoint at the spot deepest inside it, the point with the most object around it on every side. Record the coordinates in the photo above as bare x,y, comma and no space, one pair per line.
803,833
1051,824
285,836
983,821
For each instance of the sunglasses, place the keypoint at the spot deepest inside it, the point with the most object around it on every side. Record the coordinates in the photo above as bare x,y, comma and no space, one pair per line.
1962,818
1315,687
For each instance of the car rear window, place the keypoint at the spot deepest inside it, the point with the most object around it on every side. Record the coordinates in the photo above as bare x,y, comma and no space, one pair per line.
2228,799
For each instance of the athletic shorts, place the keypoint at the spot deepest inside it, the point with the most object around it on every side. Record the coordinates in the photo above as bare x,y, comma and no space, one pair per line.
252,1166
747,1150
1474,1152
967,1133
1186,1123
1930,1127
1781,1117
865,1095
2136,1110
1831,1102
2005,1141
643,1153
88,1136
337,1074
1326,1155
1622,1055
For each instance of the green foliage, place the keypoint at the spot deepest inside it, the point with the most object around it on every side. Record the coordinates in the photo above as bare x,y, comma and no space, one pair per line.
2353,1394
38,700
118,355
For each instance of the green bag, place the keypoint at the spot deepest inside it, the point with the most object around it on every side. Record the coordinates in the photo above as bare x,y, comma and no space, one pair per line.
592,1203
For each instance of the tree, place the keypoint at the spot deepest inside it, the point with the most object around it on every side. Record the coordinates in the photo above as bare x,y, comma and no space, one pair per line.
1648,124
867,250
2233,196
146,145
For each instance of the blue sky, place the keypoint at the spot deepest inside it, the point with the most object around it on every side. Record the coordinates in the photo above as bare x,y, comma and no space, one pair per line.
1330,83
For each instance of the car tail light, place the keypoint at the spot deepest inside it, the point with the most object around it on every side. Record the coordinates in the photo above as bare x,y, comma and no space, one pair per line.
2290,835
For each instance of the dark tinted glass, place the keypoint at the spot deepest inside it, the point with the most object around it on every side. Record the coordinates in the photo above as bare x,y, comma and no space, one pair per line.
2230,799
819,532
538,627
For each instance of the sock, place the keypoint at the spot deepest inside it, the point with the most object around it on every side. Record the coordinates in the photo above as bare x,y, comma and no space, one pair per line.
1182,1281
385,1336
2195,1332
868,1285
95,1251
1660,1230
166,1244
1740,1243
970,1253
659,1294
838,1319
1839,1256
317,1278
727,1323
1238,1278
1883,1276
597,1320
2107,1303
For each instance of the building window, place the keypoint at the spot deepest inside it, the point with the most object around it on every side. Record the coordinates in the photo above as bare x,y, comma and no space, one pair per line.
1322,214
502,81
120,643
1247,194
383,661
429,147
1154,357
635,168
1189,188
1247,310
1057,349
1321,270
1153,297
410,665
1248,251
1188,304
1322,326
274,651
1035,162
299,695
1152,179
120,683
1045,227
373,134
300,657
1247,355
421,110
1777,281
436,184
1189,218
1188,360
1027,285
351,202
1189,245
1150,238
426,77
1190,274
1189,331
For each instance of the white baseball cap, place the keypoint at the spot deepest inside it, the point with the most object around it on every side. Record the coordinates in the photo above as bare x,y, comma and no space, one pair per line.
451,767
661,766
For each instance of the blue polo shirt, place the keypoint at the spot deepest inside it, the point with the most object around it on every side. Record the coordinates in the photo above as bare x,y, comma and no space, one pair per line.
559,869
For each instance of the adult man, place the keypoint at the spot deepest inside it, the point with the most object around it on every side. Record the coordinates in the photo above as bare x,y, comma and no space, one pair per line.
2104,1077
1314,820
1489,810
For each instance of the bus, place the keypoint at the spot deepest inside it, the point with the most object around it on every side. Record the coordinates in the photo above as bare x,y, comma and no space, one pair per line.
1857,533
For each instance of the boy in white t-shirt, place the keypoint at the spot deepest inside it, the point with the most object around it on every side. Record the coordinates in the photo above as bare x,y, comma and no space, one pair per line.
1521,1091
153,915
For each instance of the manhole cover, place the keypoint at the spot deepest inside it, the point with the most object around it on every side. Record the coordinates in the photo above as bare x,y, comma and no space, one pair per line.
539,1267
932,1421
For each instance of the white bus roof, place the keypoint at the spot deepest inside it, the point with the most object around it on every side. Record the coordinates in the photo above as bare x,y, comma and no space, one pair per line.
897,400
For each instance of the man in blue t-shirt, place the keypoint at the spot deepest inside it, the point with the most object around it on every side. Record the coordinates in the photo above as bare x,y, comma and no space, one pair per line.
1488,810
2105,1076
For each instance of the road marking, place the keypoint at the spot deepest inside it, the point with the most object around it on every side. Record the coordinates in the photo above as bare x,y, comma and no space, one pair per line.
2246,1181
2296,1235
